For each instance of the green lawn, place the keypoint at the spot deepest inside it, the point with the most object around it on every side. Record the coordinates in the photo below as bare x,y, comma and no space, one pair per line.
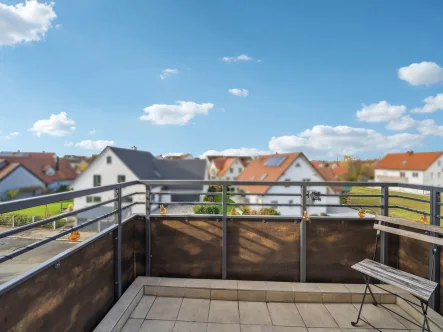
398,213
54,209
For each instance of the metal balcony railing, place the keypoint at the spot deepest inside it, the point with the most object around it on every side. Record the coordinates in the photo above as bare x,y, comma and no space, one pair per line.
304,192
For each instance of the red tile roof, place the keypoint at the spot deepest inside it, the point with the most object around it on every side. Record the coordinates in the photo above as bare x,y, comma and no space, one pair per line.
223,164
7,169
38,162
413,161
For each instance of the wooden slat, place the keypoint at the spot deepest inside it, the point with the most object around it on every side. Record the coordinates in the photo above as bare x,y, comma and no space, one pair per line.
408,223
417,286
412,235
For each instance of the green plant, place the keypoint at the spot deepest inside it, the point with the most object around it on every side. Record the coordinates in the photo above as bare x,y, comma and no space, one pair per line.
63,188
208,198
268,212
207,209
314,214
323,214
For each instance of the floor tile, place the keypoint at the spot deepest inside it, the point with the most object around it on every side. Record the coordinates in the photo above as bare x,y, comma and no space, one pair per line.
379,317
157,326
172,282
251,285
315,315
198,283
223,312
189,327
165,308
333,288
324,329
194,310
224,294
224,284
279,286
403,321
132,325
344,314
217,327
254,313
305,287
290,329
142,308
256,328
285,314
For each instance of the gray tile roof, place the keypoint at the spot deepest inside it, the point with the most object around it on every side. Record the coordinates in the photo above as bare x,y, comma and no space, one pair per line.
146,167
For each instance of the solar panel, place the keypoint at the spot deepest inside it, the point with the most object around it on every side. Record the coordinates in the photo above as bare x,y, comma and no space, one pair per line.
275,161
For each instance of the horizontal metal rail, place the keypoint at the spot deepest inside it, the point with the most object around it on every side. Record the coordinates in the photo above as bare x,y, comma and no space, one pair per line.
51,219
267,183
131,204
51,238
410,198
409,209
262,204
347,205
25,203
353,195
186,203
132,194
266,194
249,217
212,193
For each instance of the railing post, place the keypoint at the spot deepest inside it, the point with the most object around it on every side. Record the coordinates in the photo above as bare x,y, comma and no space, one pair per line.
13,221
225,231
303,192
434,273
384,246
148,254
118,244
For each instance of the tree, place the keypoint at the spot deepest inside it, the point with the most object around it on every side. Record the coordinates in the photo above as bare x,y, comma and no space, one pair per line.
83,166
12,193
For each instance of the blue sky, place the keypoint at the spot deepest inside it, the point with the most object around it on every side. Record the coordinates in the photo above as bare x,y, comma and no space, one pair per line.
322,77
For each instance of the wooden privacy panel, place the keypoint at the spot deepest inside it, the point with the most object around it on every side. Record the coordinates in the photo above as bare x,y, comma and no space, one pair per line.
74,297
264,251
191,249
133,250
333,246
413,255
441,282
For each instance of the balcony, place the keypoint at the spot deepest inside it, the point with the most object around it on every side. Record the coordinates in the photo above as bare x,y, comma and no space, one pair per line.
159,272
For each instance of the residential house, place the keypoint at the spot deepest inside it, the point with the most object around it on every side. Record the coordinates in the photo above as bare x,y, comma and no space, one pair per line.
283,168
226,168
115,165
424,168
33,173
79,163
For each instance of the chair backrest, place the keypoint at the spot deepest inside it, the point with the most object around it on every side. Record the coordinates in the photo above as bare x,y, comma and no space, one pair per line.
402,222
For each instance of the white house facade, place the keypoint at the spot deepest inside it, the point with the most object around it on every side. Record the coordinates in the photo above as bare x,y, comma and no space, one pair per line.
423,168
18,177
297,168
227,169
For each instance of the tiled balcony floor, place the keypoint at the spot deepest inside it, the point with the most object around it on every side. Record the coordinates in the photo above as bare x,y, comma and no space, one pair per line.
176,314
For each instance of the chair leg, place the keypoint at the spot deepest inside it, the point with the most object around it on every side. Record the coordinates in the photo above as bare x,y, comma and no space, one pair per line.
374,301
424,308
361,306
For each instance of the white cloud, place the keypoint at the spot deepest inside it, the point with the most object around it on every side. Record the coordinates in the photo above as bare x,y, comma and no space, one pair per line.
235,152
429,127
9,136
69,144
25,22
337,141
432,104
405,122
181,114
239,92
421,73
56,125
168,72
92,132
94,145
58,26
241,57
381,112
173,154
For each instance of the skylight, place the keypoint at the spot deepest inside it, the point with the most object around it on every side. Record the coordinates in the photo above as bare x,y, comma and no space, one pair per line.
275,161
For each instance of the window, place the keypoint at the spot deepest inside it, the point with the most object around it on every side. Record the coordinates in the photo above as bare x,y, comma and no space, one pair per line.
50,172
287,180
275,203
95,199
439,163
438,175
227,179
263,177
121,178
239,169
127,199
415,175
306,179
97,179
291,201
275,161
297,165
109,160
402,174
432,175
231,170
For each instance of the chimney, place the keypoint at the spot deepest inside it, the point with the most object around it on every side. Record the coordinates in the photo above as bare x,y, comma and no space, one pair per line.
409,153
57,162
134,148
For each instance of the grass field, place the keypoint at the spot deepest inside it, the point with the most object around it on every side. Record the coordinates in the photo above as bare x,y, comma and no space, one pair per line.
54,209
398,213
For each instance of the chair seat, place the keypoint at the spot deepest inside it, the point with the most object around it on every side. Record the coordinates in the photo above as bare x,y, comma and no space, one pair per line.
420,287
